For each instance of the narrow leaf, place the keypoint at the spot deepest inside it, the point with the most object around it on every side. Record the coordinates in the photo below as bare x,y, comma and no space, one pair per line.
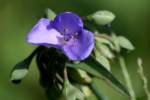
94,68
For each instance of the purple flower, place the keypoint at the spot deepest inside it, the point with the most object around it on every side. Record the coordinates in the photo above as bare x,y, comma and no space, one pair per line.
66,33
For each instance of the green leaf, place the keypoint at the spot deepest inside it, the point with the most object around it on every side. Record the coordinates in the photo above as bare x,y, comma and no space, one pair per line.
125,43
50,14
94,68
71,92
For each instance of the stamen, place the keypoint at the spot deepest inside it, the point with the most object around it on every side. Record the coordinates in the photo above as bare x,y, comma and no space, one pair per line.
66,30
66,38
61,33
75,34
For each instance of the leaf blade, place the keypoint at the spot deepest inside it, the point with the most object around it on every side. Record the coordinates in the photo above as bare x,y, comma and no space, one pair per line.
94,68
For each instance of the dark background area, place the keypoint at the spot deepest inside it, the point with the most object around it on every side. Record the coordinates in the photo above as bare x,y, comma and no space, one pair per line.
18,16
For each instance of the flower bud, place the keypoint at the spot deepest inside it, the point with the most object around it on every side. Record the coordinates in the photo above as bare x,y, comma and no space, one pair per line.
102,17
50,14
21,69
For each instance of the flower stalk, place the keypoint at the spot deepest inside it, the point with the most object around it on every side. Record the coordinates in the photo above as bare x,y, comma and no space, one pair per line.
65,73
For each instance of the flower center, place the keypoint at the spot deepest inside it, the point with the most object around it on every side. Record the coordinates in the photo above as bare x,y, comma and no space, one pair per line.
65,30
67,35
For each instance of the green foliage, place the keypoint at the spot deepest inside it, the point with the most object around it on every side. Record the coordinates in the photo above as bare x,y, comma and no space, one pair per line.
94,68
63,79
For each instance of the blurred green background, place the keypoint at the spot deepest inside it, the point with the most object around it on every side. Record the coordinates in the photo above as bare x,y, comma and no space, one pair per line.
18,16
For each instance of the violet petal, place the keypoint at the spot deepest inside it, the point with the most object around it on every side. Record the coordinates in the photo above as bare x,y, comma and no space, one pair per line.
80,47
42,33
68,23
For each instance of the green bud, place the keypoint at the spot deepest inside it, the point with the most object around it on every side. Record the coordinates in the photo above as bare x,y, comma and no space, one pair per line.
50,14
21,69
105,50
84,76
125,43
18,74
86,90
103,17
71,92
102,60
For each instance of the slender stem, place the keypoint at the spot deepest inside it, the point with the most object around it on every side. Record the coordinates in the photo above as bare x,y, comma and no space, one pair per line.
127,77
143,78
102,36
65,73
59,78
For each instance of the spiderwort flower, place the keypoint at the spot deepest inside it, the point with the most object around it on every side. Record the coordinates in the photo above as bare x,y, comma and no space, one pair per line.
66,33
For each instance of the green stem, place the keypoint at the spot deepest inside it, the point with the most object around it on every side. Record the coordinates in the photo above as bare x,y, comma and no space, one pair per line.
127,77
143,78
65,73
